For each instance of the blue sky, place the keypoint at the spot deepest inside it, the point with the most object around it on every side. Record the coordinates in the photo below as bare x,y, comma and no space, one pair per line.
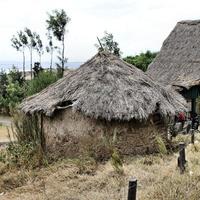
136,25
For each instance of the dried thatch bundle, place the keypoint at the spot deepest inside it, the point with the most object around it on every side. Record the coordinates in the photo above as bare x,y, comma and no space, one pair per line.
108,88
178,62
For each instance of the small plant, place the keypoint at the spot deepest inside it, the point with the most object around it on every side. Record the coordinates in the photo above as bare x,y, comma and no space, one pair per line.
160,144
2,156
116,162
85,165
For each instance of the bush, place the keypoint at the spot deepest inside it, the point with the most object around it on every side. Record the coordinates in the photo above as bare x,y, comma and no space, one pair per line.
11,90
29,149
28,155
44,79
142,60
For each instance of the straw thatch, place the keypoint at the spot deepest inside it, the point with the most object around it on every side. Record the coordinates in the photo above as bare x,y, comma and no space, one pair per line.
108,88
178,62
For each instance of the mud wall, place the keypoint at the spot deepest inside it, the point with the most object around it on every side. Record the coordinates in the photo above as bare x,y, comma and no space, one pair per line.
66,130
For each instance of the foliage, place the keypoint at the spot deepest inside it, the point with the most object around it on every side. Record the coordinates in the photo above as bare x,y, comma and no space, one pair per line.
56,23
3,83
31,45
39,46
142,60
37,69
29,148
15,76
40,82
14,88
108,43
15,95
11,89
20,42
50,48
26,155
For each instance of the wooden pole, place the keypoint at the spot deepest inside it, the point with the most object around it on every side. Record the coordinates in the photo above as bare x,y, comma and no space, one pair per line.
181,158
132,188
192,136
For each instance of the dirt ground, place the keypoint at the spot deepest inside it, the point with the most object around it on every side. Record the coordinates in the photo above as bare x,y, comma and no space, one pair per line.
4,134
158,179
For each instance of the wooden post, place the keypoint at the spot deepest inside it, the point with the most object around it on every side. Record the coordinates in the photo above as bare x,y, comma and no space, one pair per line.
192,136
181,158
132,188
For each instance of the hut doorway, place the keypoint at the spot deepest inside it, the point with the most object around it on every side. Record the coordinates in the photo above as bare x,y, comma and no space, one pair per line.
192,95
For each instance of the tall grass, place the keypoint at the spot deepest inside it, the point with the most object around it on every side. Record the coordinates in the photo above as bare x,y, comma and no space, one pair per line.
28,147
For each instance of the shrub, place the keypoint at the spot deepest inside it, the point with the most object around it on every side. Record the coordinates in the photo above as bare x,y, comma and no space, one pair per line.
11,90
29,149
44,79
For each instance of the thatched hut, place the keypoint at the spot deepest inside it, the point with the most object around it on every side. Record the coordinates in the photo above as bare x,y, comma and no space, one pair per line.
104,96
178,62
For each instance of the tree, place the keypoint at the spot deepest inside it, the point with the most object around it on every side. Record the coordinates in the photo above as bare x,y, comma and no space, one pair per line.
11,89
3,83
108,43
142,60
20,42
15,76
39,46
56,23
50,48
31,45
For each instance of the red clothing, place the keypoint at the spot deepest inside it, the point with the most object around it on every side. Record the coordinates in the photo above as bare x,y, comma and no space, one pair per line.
181,116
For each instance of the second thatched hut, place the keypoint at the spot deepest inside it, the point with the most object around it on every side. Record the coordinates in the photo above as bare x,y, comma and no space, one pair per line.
103,98
178,62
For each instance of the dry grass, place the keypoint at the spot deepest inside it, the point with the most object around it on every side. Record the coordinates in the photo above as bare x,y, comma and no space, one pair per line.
158,179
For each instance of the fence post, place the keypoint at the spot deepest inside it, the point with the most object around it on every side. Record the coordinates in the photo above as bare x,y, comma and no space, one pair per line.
181,158
192,136
132,188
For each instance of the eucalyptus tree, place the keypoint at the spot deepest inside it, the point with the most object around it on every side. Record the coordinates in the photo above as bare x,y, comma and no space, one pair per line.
20,42
56,23
31,46
39,46
50,48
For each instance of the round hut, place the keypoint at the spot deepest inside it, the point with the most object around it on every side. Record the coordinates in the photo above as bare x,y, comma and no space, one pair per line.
104,97
178,62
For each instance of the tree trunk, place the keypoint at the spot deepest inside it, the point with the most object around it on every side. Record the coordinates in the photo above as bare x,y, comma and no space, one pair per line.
31,64
40,58
51,62
63,55
24,70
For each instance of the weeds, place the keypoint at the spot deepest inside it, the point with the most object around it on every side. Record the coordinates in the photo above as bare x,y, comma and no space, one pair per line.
85,165
161,145
116,162
27,149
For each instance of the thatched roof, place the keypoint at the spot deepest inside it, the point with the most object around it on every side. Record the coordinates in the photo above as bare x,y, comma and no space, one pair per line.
178,62
105,87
